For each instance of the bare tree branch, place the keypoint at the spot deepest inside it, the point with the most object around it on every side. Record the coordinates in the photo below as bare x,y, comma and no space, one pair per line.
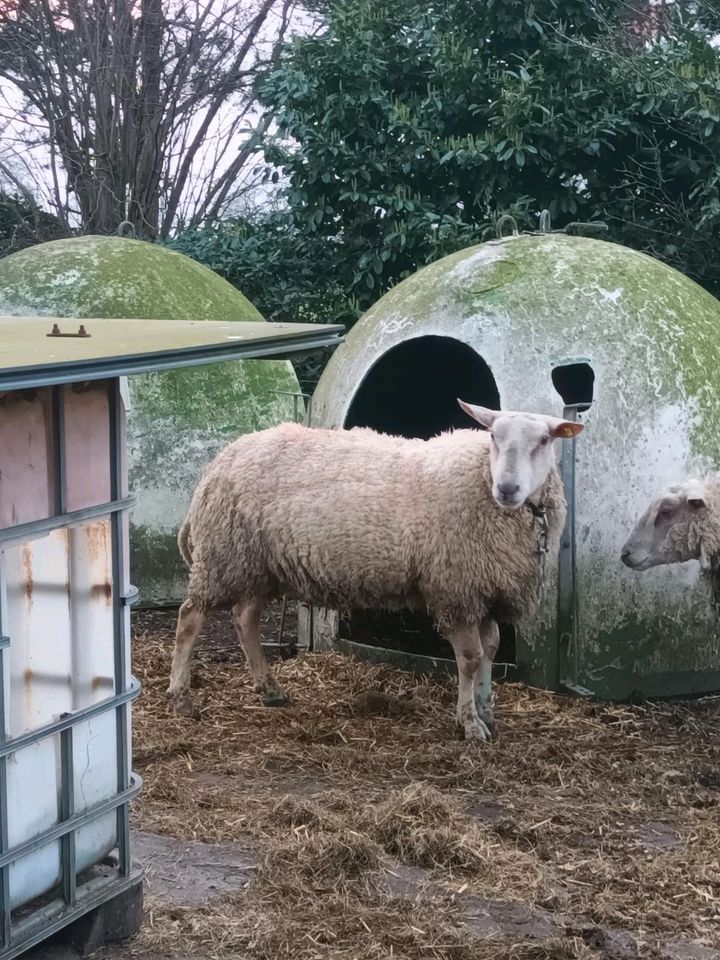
143,101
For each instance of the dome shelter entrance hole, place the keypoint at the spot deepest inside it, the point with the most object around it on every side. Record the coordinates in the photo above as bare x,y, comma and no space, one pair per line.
412,391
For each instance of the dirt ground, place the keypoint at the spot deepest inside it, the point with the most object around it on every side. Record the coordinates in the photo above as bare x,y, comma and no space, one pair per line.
355,825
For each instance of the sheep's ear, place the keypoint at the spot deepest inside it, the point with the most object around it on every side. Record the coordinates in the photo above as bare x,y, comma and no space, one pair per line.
566,429
696,495
483,416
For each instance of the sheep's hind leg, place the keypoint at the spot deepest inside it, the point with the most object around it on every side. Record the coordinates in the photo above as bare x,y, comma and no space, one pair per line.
468,654
490,641
189,624
246,618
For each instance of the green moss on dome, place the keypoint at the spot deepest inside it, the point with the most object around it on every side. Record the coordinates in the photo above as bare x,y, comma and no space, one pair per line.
576,296
113,277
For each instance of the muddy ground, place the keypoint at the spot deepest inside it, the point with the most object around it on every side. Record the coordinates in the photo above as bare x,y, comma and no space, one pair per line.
355,824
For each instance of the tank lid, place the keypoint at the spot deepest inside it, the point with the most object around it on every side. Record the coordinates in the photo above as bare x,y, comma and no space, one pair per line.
39,351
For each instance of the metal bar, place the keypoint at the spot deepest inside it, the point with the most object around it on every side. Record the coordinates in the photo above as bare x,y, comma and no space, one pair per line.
114,408
568,654
123,812
5,925
566,626
5,910
67,812
119,624
36,528
307,405
574,660
52,917
65,827
59,471
283,612
69,720
44,375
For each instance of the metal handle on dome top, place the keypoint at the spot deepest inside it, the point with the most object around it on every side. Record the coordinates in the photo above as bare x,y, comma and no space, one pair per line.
508,220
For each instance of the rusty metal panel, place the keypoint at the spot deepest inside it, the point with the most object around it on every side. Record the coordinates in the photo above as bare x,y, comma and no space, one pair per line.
38,612
26,480
59,609
87,442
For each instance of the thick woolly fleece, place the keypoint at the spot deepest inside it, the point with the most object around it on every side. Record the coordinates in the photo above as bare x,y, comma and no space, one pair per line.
355,519
701,533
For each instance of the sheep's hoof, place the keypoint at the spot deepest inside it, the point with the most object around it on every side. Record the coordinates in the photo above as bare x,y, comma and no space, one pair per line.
272,696
475,730
488,718
182,705
276,700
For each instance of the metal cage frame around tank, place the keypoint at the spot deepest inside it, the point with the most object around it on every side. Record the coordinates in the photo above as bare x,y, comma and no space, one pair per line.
75,899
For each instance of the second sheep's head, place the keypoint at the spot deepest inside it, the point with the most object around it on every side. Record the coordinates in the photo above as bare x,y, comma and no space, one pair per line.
521,450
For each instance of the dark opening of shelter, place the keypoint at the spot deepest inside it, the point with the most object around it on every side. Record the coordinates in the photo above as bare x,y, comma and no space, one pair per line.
575,383
412,391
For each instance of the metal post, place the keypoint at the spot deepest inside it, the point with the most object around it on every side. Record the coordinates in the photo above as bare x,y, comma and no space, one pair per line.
567,621
119,623
67,775
67,811
307,406
5,931
566,571
59,472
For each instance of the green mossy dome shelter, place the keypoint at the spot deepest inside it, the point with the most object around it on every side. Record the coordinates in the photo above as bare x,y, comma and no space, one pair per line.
560,325
178,420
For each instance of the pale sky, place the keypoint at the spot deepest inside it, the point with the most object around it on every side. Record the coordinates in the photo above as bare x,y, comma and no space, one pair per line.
31,165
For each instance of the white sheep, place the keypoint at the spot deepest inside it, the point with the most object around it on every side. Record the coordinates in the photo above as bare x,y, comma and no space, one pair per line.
683,523
354,519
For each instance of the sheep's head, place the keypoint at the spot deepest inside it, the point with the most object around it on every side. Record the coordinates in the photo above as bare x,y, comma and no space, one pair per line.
521,450
670,530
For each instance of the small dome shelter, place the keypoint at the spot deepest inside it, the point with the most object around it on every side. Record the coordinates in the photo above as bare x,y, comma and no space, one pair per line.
575,327
178,419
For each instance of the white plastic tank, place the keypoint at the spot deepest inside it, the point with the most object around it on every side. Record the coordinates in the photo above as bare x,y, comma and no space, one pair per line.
57,608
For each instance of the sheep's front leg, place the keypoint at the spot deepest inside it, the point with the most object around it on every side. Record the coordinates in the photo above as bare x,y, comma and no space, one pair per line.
189,624
468,654
490,641
246,618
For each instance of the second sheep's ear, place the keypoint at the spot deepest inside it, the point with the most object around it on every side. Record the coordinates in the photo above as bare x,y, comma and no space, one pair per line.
696,496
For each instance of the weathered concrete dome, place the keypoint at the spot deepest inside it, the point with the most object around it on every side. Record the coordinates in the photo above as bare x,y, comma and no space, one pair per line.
178,420
516,323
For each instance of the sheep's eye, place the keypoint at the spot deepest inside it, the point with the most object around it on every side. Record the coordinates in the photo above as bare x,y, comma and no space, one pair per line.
544,442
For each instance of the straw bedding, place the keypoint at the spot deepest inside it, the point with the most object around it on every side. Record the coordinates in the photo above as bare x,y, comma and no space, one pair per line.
583,831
